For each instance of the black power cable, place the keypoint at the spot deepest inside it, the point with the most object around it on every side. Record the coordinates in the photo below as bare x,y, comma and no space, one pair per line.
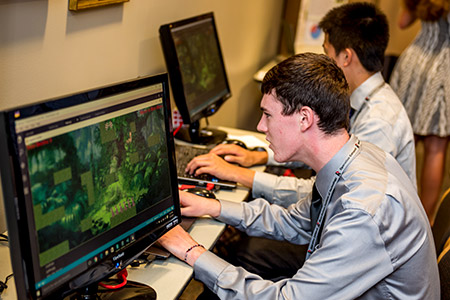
3,237
3,285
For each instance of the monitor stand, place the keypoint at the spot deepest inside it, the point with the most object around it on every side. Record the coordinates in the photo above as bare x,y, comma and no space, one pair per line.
203,136
131,291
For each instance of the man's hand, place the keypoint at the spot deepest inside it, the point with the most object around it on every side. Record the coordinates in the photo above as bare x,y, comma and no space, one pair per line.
195,206
239,155
212,164
178,241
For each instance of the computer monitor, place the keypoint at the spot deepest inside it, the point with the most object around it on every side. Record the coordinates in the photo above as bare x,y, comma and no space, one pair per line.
89,182
197,74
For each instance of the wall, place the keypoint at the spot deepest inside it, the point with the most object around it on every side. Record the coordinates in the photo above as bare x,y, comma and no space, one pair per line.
48,51
399,39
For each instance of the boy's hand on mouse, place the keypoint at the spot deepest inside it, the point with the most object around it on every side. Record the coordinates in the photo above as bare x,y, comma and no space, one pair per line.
239,155
195,206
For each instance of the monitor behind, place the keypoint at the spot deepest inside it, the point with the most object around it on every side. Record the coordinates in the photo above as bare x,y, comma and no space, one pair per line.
197,74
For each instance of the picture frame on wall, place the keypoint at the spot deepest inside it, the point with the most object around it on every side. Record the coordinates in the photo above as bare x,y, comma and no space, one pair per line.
75,5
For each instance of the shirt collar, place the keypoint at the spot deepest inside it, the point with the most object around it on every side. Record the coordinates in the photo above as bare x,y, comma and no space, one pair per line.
359,95
325,175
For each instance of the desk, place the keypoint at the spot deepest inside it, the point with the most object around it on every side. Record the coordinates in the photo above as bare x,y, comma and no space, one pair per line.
168,277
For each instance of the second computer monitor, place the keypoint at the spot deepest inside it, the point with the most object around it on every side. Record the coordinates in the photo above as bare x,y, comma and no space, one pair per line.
197,73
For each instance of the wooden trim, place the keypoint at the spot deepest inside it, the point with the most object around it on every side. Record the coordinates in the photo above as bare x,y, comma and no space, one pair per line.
76,5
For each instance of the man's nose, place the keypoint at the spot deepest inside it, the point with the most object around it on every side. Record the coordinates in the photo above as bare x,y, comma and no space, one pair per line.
261,126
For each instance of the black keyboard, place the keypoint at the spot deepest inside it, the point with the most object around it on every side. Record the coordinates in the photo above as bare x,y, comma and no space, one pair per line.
184,154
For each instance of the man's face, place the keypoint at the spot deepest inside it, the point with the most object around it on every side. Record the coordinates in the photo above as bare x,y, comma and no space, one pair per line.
331,52
282,132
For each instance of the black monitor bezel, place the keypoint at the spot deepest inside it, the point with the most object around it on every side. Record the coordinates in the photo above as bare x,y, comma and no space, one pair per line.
15,209
175,75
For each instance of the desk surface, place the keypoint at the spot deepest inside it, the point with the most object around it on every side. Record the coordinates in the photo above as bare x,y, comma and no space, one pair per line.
168,277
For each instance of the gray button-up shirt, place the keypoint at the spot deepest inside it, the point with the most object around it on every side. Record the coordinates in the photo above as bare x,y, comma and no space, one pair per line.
381,120
376,241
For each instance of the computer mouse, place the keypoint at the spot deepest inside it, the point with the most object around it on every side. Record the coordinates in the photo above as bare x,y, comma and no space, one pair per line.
201,192
257,148
235,142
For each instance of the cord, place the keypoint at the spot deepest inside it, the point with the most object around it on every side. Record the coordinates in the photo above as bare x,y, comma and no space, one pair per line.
122,275
3,237
178,129
3,285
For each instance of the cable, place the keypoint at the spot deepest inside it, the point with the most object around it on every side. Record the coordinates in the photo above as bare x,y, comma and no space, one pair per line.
178,129
3,285
122,275
3,237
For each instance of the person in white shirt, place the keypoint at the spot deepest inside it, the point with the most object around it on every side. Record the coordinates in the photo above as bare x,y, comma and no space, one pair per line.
356,37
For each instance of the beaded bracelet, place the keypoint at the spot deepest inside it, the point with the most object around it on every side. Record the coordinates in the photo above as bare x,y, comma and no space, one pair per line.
188,250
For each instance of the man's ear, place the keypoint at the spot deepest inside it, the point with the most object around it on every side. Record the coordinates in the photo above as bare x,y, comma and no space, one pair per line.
307,117
347,56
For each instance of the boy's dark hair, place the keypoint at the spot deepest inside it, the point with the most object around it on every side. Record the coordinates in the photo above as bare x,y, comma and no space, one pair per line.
359,26
312,80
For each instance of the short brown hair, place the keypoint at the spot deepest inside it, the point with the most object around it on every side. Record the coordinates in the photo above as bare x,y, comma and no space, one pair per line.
312,80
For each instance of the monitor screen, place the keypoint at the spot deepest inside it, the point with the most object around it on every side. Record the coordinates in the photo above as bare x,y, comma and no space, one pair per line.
89,183
196,68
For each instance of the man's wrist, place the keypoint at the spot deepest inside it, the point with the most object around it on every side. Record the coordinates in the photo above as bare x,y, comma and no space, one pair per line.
215,208
193,253
244,176
260,157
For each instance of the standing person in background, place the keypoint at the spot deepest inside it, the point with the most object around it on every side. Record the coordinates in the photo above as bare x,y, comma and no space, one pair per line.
421,81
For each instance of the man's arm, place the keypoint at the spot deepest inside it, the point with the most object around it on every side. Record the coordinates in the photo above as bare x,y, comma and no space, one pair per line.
356,268
239,155
281,190
257,218
177,240
212,164
334,271
182,245
247,158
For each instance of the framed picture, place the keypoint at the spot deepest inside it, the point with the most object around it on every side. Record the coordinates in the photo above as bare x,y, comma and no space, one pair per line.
83,4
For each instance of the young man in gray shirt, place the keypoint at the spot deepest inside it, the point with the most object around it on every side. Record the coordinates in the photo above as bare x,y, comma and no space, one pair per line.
367,232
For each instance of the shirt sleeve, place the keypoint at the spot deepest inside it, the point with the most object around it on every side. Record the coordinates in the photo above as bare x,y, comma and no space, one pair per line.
280,190
260,218
351,259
